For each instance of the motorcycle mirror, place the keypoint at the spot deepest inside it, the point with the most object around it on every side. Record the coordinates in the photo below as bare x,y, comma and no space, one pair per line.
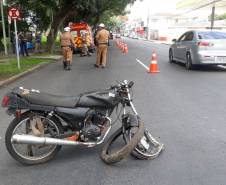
131,83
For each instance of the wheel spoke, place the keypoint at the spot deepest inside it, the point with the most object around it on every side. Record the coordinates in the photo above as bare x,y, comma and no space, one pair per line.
28,151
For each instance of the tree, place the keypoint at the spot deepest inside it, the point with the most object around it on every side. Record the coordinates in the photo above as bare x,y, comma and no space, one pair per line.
52,14
218,17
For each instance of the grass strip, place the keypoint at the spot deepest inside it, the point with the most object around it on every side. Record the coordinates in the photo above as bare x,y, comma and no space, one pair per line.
10,68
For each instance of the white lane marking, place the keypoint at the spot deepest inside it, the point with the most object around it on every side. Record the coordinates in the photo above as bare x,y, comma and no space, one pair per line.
142,64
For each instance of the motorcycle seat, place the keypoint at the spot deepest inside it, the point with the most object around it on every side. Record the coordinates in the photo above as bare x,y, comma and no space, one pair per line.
41,98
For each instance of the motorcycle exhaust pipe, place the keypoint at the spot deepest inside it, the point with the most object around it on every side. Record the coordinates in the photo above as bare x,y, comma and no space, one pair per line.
34,140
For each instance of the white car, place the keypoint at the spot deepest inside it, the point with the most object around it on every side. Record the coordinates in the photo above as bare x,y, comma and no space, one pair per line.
199,48
118,35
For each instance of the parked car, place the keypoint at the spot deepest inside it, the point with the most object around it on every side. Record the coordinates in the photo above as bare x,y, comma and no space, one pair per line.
199,48
135,37
118,35
131,36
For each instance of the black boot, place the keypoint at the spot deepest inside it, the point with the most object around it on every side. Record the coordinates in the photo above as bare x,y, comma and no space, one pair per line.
68,65
65,64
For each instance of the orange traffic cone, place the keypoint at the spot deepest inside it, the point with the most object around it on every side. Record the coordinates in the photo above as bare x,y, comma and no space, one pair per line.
125,49
122,47
119,45
153,68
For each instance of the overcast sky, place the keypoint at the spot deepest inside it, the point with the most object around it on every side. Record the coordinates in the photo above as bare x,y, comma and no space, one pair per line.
140,8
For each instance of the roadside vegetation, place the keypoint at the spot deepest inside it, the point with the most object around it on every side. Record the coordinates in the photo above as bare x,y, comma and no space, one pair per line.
51,16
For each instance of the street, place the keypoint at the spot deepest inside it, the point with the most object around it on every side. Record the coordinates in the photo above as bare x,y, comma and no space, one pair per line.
183,109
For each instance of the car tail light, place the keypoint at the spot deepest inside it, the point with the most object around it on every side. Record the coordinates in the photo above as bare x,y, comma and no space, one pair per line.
5,101
205,43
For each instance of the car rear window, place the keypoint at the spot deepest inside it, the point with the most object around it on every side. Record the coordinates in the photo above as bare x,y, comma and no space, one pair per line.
211,35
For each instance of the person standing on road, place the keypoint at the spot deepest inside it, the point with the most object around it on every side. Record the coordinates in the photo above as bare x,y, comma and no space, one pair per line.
67,45
102,37
23,44
85,50
38,42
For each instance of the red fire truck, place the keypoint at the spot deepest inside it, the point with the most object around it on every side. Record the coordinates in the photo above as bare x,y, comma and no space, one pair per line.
76,30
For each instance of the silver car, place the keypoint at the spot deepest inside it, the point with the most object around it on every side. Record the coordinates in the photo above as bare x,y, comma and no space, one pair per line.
199,48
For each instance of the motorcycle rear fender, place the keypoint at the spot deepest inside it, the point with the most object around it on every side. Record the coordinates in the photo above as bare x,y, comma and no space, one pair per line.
17,102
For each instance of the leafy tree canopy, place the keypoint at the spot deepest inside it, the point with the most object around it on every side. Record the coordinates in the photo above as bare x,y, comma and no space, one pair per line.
53,14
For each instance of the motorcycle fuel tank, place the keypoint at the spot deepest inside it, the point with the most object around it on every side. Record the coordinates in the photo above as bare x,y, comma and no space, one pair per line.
97,99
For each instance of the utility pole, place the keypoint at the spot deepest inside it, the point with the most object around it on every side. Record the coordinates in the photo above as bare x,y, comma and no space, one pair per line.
3,27
212,16
148,19
17,48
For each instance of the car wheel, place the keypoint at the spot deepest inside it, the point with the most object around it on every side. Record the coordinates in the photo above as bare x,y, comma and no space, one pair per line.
188,63
171,60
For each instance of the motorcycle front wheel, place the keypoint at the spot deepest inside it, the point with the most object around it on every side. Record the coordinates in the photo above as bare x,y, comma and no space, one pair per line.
109,155
33,153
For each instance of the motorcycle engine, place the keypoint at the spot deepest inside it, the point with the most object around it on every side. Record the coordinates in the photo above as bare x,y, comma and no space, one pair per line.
93,125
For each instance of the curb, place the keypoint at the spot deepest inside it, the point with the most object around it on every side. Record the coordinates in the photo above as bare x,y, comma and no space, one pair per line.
159,42
16,77
166,44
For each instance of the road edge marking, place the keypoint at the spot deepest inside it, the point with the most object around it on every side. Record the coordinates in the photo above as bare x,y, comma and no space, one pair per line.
141,63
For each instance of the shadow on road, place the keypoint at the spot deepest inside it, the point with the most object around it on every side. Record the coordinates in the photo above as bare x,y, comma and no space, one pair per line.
204,68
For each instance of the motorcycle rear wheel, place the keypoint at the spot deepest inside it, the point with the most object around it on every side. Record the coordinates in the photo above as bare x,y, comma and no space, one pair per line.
123,152
28,157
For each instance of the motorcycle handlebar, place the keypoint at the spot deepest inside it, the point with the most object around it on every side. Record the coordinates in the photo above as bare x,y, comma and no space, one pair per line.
123,84
131,83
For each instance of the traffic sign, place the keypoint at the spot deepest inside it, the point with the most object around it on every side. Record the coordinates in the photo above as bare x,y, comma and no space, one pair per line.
14,13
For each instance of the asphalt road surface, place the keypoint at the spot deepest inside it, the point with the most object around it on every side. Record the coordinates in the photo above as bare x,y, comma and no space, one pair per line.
183,109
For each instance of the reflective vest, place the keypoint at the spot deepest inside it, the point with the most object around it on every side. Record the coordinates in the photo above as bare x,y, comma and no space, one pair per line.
78,42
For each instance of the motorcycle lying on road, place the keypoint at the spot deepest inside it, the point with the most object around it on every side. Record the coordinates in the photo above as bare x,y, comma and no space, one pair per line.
44,122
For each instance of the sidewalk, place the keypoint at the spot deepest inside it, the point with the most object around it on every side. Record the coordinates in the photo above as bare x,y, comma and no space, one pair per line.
157,41
161,42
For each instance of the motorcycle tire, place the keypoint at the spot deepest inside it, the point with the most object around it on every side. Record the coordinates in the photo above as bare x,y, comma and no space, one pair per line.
29,160
125,150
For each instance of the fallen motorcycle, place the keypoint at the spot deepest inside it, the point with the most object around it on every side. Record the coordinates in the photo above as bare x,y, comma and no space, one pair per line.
44,122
